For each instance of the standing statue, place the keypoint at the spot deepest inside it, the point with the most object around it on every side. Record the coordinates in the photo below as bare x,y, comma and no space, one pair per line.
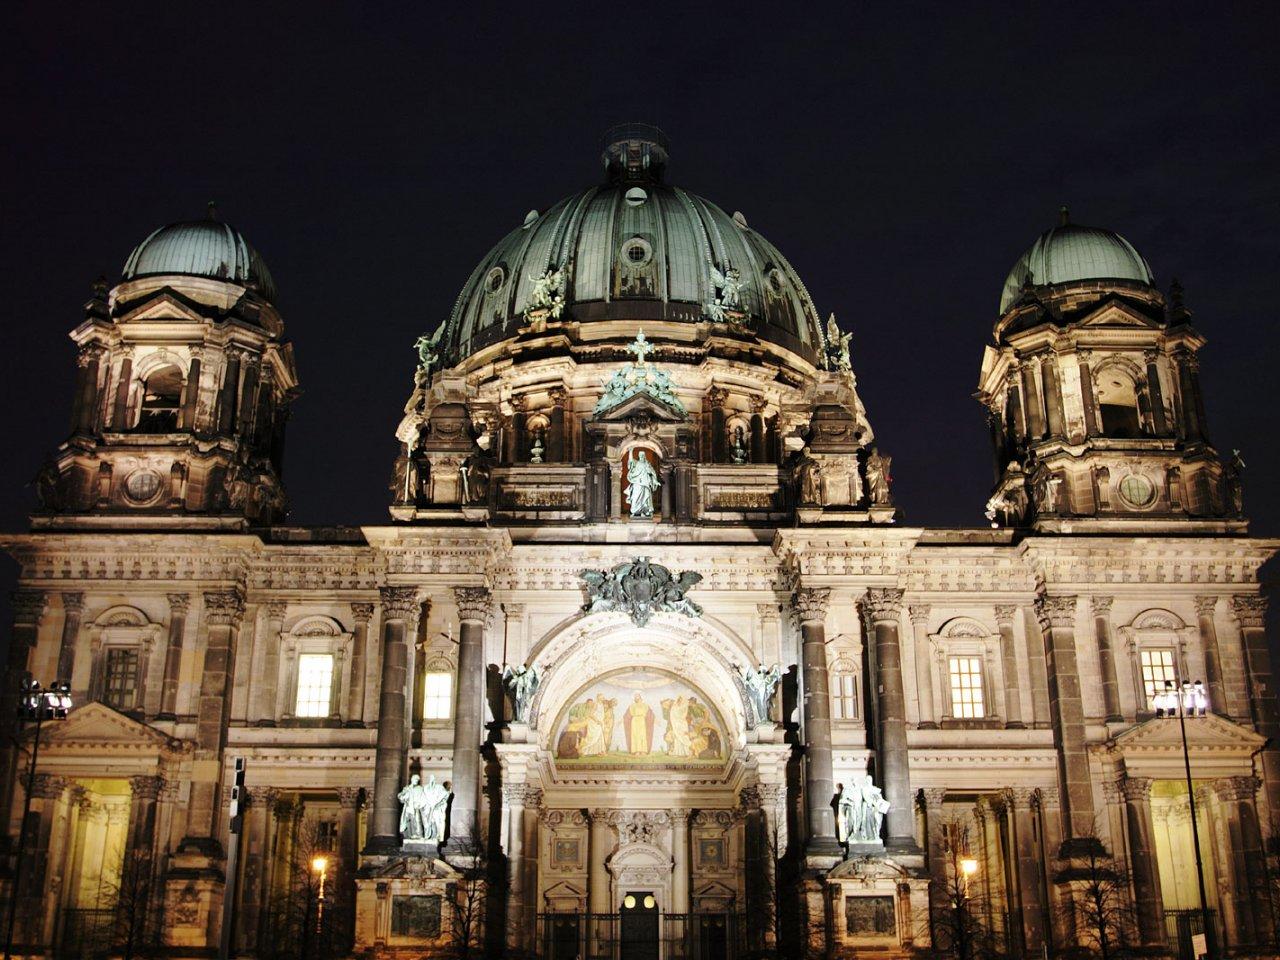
837,347
878,477
537,448
760,684
809,480
475,472
422,815
521,683
428,348
1233,480
739,451
642,482
860,813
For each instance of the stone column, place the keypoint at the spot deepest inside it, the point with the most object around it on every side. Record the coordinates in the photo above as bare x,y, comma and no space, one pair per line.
475,612
1087,399
1155,393
144,791
716,398
1009,666
1027,858
555,429
348,847
1031,396
601,843
120,409
1212,657
227,396
923,661
28,608
222,613
1052,394
179,605
680,860
528,865
361,614
248,391
820,785
33,887
72,609
399,611
936,852
1147,900
758,453
513,797
266,708
1250,612
1246,858
884,608
1036,669
1058,617
191,398
256,841
1101,607
84,409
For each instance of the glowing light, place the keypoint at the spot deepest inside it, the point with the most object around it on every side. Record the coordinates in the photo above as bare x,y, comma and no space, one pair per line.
968,866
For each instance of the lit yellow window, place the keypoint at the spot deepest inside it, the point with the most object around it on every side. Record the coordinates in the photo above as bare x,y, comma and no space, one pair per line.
1157,670
437,700
315,684
844,693
966,687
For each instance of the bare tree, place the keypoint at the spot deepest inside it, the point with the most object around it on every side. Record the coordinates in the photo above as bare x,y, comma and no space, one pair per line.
473,897
132,934
300,924
960,924
1100,906
764,889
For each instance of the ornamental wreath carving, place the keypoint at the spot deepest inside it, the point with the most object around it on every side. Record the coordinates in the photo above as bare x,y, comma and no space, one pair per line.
640,589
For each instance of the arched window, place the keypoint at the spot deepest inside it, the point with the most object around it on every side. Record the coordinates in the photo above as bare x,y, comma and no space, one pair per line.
1118,404
161,401
844,689
437,690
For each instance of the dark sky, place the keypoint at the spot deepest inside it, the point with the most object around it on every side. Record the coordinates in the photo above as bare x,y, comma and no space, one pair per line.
901,157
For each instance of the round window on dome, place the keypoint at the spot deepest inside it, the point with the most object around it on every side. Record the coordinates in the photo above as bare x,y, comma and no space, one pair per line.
636,252
777,282
635,196
493,282
1137,491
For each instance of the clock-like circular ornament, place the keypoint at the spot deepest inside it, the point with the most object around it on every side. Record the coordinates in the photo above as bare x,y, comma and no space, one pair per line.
142,485
1137,491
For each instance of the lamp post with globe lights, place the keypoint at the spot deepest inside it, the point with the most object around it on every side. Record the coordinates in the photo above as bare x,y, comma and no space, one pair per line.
1189,700
35,705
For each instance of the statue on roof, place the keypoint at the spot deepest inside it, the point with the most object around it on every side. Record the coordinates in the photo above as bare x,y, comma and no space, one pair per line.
428,348
837,347
547,295
728,293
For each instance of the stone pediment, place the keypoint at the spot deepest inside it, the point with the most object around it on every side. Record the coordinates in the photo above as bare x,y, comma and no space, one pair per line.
98,727
1117,313
166,305
1216,746
641,404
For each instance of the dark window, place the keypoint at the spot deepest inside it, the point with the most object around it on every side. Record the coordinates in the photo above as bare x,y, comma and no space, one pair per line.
120,689
326,835
161,399
415,917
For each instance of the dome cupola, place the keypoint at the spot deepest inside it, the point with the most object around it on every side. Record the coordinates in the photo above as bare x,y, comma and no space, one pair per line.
1070,253
201,248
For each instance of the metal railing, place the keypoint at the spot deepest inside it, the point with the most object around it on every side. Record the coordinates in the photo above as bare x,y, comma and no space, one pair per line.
86,932
656,936
1182,925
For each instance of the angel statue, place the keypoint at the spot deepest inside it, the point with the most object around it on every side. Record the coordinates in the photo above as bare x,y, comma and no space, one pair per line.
546,294
642,482
428,348
760,684
521,683
837,347
860,813
729,285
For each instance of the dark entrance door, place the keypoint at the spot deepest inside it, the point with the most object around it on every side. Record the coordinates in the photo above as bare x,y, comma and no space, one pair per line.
714,936
639,923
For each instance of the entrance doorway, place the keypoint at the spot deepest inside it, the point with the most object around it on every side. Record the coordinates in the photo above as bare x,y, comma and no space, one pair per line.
639,926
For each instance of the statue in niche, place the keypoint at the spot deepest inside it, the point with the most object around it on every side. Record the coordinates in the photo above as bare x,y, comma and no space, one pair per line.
537,448
738,453
521,683
860,813
475,472
878,477
642,482
760,684
422,815
1232,478
809,480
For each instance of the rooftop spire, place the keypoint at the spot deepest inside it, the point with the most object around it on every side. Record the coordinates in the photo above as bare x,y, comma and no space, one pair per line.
635,153
1064,215
211,210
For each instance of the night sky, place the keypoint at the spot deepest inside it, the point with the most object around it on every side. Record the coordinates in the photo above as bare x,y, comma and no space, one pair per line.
902,158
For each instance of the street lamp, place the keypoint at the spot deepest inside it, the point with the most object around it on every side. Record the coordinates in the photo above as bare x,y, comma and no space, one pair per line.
35,705
321,867
1189,700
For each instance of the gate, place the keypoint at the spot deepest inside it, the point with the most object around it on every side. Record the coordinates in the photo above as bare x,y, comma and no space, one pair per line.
616,936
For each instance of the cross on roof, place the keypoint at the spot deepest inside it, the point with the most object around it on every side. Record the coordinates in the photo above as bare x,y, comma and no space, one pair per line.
640,348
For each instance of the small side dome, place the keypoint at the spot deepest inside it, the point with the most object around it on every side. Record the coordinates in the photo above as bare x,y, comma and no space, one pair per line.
1070,252
200,248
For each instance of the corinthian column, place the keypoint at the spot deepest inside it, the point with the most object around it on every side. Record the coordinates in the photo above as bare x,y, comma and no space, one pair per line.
475,611
28,608
1057,620
399,610
1212,657
884,608
179,604
820,783
924,675
1250,612
361,613
1147,901
1009,666
73,609
1101,607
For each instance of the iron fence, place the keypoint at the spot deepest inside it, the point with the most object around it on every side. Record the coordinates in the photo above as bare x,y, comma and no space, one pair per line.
642,936
1182,925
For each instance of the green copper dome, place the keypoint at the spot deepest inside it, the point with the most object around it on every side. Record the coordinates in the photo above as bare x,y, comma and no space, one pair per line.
633,248
1070,252
200,248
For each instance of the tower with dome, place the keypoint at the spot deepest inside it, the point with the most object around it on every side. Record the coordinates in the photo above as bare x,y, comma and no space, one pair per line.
645,661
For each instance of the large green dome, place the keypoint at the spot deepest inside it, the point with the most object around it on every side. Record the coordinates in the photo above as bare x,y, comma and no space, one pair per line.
1071,252
200,248
634,248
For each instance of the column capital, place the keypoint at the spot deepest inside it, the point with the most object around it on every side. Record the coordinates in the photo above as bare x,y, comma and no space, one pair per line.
1005,612
48,786
716,397
349,797
513,611
811,604
557,395
1101,606
1205,606
759,405
883,604
1020,797
73,602
179,603
1250,609
1056,611
146,788
919,613
767,611
1048,798
398,603
1135,789
1236,788
362,612
772,794
223,607
276,609
933,798
475,604
266,797
28,606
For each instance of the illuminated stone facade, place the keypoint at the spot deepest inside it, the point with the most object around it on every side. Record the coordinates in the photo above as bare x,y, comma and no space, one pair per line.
994,683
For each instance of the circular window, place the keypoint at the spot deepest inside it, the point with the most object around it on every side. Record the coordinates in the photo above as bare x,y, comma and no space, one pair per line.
1137,491
776,281
142,485
635,196
495,279
637,252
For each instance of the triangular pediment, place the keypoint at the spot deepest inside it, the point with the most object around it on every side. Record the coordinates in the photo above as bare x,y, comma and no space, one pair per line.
165,305
641,403
1117,313
97,726
1207,734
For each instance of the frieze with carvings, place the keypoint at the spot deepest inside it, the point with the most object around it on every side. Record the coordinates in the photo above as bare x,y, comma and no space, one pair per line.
640,588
